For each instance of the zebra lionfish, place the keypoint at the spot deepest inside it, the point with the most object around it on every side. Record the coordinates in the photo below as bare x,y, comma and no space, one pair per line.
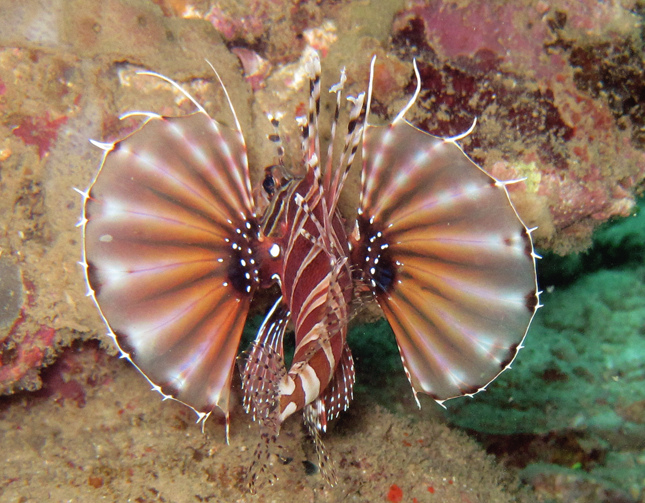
176,245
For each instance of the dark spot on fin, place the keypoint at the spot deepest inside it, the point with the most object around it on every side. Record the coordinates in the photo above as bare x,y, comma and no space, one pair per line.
531,301
124,345
512,351
384,272
241,275
237,272
269,185
93,278
375,257
528,248
351,126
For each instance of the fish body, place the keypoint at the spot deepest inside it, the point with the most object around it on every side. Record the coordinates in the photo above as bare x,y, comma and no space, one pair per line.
176,245
311,247
317,287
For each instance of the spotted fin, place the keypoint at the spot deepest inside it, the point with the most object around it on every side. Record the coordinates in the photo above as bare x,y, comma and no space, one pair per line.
313,416
340,391
309,125
446,256
264,364
170,236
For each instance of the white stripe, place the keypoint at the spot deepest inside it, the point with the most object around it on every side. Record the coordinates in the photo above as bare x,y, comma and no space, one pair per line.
316,298
310,383
286,386
288,410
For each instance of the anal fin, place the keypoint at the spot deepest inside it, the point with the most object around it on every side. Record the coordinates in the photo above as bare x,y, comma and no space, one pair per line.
340,391
314,416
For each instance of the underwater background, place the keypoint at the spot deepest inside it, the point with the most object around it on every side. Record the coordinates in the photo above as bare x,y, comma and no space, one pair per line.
558,90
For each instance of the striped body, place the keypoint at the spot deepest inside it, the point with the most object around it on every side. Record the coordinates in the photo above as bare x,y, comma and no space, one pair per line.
317,286
176,244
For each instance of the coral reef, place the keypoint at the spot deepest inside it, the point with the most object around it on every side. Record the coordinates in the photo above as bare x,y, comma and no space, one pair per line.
557,90
61,78
547,86
117,442
574,401
570,414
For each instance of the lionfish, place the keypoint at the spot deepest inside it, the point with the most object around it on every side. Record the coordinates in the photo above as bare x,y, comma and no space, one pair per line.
176,243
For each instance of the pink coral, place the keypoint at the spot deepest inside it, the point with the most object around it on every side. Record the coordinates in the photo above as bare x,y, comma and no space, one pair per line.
256,68
480,26
29,354
39,131
232,27
515,70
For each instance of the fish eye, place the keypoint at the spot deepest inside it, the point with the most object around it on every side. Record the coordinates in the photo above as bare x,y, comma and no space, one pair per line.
271,182
269,185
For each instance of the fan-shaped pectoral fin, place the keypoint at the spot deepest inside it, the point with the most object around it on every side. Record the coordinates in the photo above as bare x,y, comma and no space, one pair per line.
447,257
170,241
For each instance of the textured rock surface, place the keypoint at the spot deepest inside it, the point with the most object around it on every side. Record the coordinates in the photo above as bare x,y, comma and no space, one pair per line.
65,77
557,89
95,432
529,72
574,401
547,84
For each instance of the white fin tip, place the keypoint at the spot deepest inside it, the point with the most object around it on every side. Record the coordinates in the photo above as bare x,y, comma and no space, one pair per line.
463,135
339,85
511,182
148,115
407,107
103,146
228,98
176,86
